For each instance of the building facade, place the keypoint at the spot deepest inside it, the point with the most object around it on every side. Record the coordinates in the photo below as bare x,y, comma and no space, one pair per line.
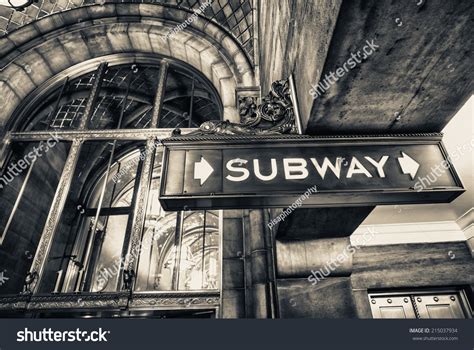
90,91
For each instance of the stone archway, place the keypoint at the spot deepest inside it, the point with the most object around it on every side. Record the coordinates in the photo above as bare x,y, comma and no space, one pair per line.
39,51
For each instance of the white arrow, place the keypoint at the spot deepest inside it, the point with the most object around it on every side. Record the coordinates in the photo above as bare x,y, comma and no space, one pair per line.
202,170
408,165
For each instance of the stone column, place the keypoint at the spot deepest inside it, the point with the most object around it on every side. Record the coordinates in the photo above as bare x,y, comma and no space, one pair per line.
258,252
314,278
233,281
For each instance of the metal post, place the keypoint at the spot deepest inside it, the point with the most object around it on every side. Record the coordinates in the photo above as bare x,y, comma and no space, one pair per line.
203,265
178,243
17,202
139,214
296,110
62,192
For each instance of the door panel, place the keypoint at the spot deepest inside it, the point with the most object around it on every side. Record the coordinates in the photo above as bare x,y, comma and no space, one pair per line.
439,306
446,304
392,307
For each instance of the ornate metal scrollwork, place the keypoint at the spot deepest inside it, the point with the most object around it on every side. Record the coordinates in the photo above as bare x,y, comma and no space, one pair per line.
274,116
128,277
29,279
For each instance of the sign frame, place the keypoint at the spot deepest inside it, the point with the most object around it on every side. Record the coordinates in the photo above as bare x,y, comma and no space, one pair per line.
325,198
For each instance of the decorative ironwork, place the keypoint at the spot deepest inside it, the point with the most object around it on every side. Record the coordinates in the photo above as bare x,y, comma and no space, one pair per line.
94,101
140,210
53,218
29,279
122,134
274,116
128,277
247,108
297,138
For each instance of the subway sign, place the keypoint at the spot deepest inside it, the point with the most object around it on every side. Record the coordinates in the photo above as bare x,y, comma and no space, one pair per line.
237,172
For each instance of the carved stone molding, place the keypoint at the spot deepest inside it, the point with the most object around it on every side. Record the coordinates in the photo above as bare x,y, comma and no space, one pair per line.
115,301
16,302
174,300
79,301
274,116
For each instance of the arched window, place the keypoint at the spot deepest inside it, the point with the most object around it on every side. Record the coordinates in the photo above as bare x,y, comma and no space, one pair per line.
188,101
100,223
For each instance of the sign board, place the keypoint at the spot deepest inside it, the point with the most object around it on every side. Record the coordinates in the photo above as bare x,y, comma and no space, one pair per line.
231,172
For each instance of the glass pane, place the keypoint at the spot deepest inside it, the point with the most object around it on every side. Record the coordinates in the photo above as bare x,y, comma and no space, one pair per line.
211,265
84,245
199,251
198,256
67,115
33,169
109,263
189,100
131,87
158,252
184,89
190,267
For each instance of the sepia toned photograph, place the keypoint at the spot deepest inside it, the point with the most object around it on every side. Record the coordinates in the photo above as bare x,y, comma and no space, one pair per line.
237,159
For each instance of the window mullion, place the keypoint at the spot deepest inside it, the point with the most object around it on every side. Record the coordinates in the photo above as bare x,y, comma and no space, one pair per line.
160,93
178,244
17,202
93,96
191,103
203,249
139,213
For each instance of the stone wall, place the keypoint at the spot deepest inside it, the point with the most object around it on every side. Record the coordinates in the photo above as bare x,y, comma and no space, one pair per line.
294,39
344,293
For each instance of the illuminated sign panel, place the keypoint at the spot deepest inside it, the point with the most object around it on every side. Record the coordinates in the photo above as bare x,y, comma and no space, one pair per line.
244,172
